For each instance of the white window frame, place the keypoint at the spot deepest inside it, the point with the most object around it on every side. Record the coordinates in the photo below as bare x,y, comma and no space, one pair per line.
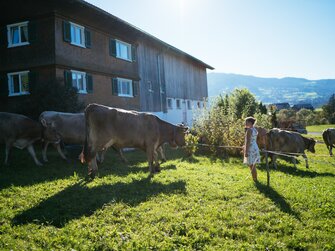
10,83
82,34
167,103
178,107
84,91
9,38
118,53
119,88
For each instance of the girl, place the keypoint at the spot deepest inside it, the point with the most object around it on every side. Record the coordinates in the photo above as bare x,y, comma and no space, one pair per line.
251,150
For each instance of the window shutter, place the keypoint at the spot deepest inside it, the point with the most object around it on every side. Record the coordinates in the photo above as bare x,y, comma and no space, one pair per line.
67,78
3,37
112,47
66,31
135,88
32,31
89,83
114,86
3,86
87,38
32,81
133,53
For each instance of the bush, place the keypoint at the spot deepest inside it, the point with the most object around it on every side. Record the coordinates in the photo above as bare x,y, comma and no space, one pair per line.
46,96
222,124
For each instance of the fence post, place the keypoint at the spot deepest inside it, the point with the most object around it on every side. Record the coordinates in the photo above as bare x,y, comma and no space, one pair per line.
267,169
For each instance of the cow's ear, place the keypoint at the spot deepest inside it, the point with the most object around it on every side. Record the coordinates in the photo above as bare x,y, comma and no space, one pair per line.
44,123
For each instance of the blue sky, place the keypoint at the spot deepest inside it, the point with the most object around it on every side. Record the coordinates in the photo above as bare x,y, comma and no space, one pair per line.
265,38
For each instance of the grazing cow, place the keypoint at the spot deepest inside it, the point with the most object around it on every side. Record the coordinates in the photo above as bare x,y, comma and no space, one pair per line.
107,126
71,129
289,142
329,139
20,131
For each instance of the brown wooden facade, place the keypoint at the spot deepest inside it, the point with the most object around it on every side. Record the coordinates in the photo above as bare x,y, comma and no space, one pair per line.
156,70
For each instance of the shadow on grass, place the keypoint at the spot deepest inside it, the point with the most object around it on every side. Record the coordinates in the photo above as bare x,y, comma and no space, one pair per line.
78,200
304,173
279,200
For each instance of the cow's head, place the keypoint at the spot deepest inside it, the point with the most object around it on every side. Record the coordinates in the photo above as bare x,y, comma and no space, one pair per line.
310,144
49,132
179,135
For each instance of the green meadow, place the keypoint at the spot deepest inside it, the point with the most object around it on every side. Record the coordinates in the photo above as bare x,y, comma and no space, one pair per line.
194,203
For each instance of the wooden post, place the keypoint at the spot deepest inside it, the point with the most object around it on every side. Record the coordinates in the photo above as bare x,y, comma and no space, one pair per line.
267,169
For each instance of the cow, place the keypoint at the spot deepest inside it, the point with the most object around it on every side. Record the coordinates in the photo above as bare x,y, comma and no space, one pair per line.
107,126
261,137
328,136
289,143
20,131
71,129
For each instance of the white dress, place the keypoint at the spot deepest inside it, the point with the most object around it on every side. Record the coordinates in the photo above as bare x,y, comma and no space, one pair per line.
253,153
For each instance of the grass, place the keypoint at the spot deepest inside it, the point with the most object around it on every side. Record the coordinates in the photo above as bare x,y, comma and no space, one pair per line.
198,203
318,128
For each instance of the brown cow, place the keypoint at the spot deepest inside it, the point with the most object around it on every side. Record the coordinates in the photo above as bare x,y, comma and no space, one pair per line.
20,131
289,142
107,126
328,136
71,129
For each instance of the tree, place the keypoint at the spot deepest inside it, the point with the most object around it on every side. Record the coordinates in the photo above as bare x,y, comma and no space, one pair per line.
262,108
329,109
243,103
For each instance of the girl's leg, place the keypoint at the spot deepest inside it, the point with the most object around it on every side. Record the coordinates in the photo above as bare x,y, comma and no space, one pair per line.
253,171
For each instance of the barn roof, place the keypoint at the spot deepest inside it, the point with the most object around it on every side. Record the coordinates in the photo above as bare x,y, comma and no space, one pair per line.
144,34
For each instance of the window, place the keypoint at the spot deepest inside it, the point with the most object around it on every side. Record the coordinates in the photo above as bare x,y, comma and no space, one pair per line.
169,103
189,104
79,81
77,34
124,87
178,104
18,83
123,50
17,34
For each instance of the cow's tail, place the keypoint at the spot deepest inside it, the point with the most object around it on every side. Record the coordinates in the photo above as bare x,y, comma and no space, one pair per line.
86,155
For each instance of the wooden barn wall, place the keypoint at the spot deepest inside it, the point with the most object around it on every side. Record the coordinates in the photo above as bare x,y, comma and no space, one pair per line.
152,84
184,79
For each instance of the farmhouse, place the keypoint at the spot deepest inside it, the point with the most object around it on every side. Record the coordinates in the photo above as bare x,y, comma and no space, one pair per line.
108,60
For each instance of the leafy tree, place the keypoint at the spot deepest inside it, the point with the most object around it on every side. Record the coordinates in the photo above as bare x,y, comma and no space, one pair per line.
262,108
329,109
243,103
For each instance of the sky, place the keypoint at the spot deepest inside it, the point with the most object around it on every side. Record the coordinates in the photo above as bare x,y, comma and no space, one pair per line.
264,38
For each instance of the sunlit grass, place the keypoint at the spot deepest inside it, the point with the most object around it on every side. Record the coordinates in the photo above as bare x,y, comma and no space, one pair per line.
200,203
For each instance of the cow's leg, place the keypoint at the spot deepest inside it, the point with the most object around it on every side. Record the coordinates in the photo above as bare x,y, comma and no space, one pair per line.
44,152
294,162
92,167
161,151
156,165
274,161
331,150
150,155
7,151
122,156
305,157
59,150
32,153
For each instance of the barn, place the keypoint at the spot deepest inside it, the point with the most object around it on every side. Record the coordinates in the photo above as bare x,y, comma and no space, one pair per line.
108,60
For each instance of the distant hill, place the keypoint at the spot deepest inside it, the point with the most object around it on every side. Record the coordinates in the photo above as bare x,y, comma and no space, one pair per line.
274,90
